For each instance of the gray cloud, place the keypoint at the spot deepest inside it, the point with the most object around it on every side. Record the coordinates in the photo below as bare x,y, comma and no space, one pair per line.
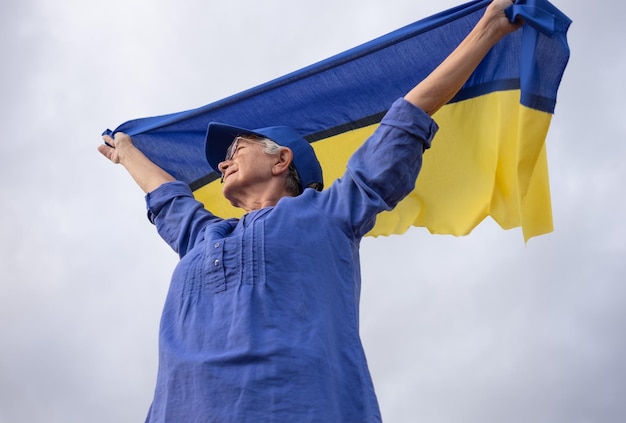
473,329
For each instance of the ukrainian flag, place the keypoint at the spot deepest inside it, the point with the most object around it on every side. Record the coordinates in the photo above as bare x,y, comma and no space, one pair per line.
488,159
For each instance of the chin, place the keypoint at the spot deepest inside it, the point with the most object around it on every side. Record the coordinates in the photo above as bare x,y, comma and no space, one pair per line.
227,193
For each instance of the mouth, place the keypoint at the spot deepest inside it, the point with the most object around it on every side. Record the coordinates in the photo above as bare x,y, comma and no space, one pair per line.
225,176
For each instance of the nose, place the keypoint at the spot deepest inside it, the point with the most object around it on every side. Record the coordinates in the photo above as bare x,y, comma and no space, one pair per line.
222,166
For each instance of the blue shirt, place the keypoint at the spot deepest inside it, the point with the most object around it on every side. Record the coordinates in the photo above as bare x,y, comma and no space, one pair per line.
261,321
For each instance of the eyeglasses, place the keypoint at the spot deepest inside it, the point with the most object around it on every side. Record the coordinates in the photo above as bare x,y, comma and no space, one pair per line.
231,149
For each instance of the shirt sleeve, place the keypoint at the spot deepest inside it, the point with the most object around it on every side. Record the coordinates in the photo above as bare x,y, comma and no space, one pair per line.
177,215
384,169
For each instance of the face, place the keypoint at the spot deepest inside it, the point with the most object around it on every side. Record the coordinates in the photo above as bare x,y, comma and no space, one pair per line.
246,170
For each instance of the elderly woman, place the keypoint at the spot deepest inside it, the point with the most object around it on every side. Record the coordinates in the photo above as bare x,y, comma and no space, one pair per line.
261,321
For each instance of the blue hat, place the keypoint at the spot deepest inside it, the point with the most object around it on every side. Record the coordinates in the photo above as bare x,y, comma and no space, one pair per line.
220,136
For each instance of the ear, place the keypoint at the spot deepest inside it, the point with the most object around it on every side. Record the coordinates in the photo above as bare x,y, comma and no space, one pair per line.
284,157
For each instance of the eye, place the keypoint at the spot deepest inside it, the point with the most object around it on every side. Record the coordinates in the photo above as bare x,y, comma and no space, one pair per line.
232,152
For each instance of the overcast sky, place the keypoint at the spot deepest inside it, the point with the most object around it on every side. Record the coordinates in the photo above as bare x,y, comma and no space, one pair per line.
476,329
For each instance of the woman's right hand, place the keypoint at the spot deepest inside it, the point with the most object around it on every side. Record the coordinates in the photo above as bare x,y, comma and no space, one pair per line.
113,148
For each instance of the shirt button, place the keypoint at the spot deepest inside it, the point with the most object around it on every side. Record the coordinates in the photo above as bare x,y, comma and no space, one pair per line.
217,245
216,263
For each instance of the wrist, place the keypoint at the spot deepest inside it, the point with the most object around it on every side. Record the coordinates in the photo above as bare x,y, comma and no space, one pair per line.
490,30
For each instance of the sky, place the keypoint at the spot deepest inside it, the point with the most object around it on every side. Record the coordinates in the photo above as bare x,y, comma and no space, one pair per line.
482,328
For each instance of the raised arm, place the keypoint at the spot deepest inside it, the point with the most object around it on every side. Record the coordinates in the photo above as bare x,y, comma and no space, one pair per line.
121,150
447,79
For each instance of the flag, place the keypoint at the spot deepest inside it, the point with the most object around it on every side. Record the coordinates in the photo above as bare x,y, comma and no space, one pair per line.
488,159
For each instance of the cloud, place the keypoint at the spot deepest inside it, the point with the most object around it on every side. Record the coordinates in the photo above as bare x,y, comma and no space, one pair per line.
473,329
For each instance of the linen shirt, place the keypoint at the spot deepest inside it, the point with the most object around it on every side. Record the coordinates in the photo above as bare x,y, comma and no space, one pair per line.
261,321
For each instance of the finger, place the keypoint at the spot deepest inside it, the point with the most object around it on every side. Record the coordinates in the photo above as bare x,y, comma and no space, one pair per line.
108,141
105,150
121,139
108,152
